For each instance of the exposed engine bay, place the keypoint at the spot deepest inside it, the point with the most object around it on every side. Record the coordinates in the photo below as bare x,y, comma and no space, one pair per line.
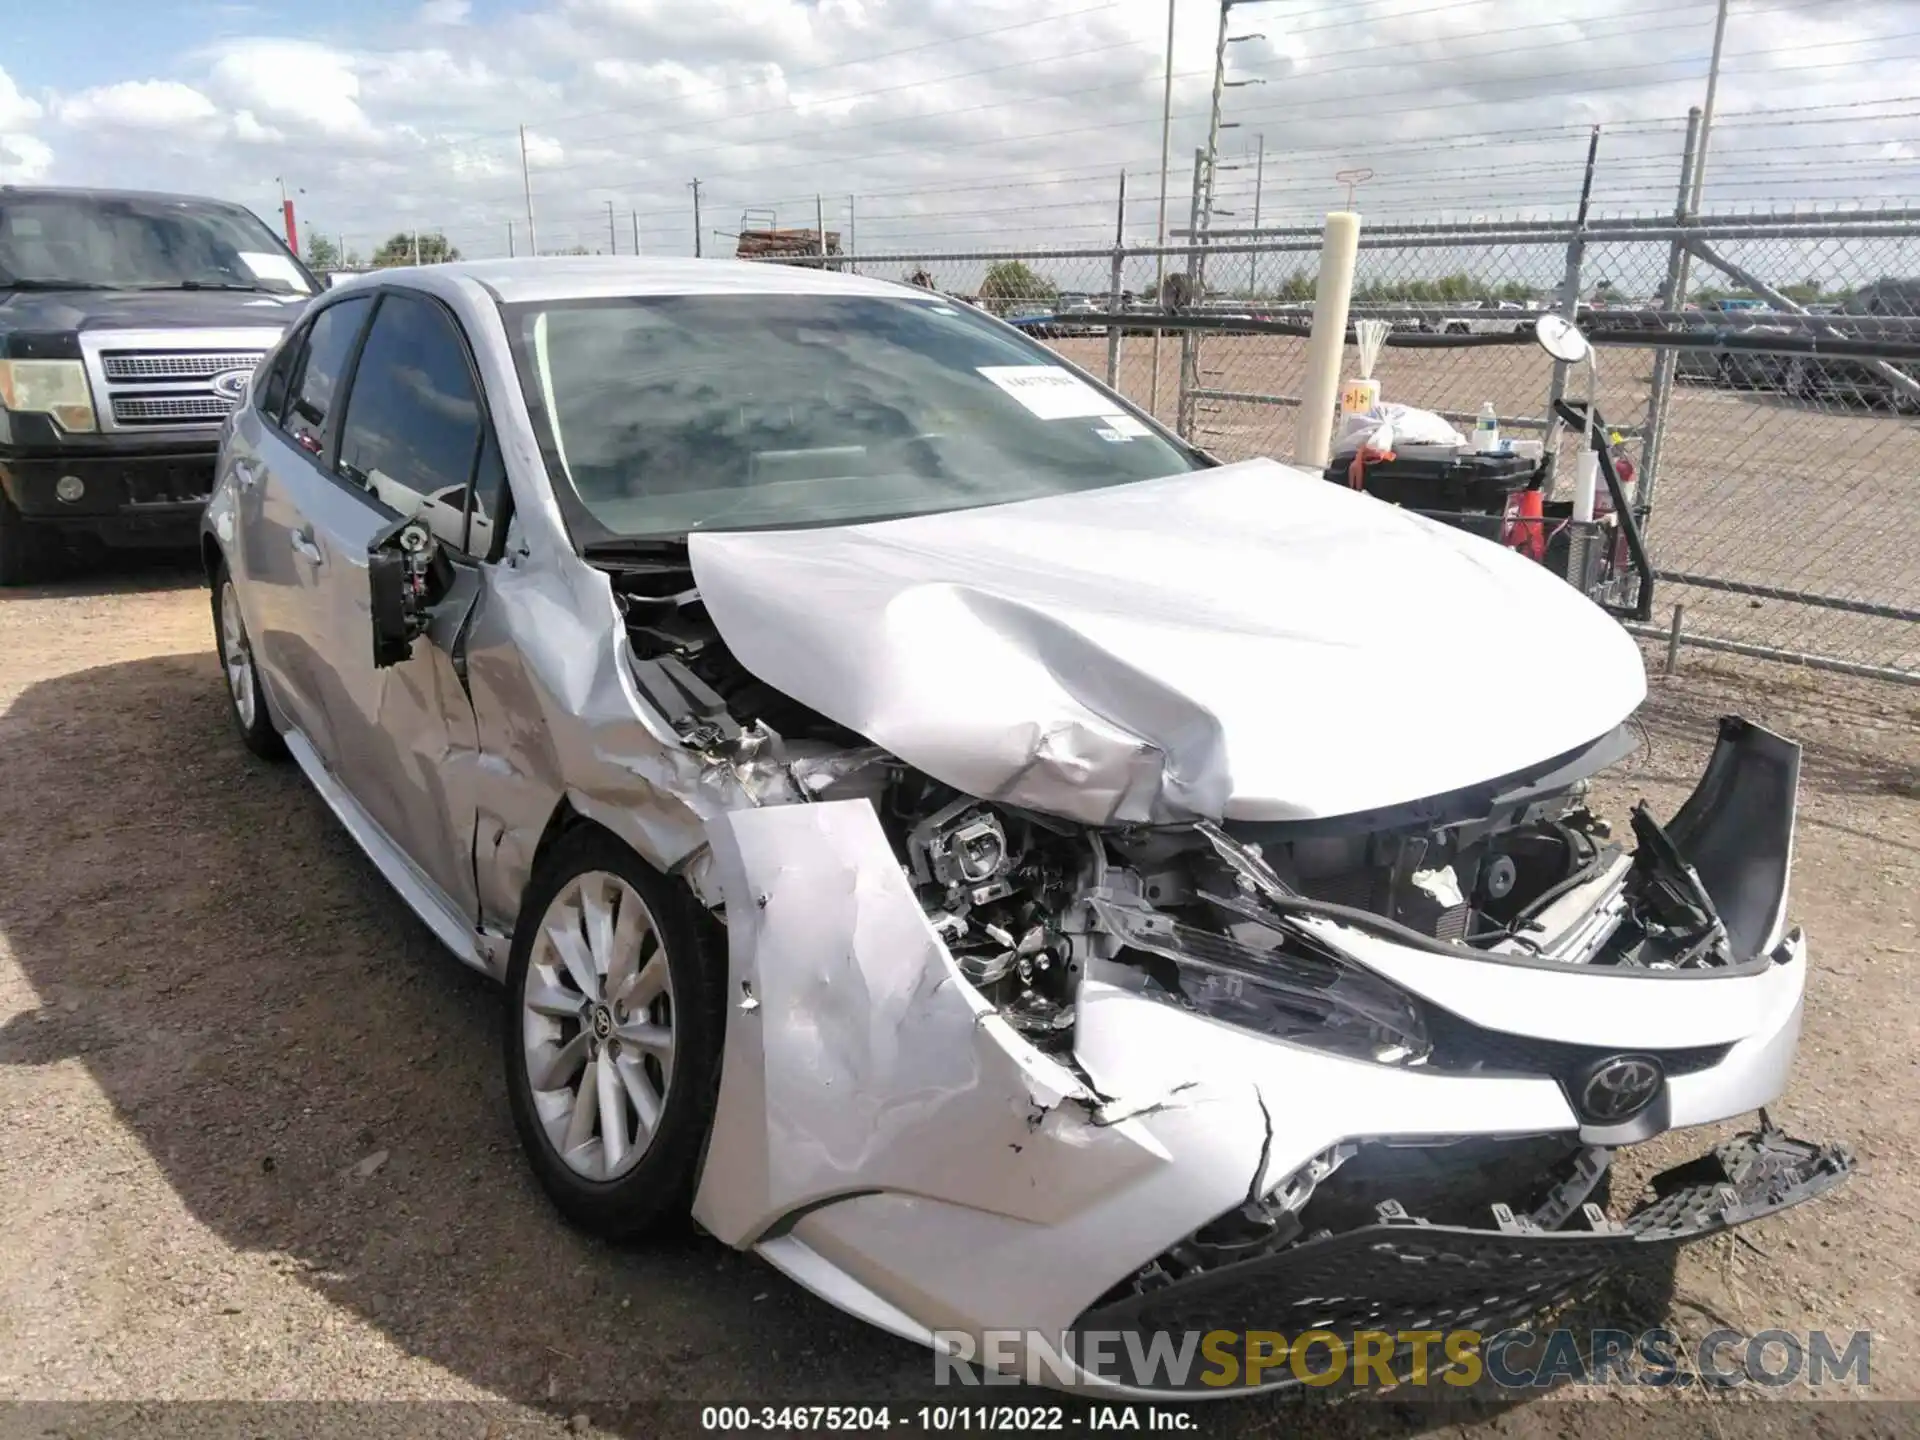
1233,921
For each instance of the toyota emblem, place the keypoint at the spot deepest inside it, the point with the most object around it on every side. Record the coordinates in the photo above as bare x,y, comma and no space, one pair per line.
232,384
1620,1087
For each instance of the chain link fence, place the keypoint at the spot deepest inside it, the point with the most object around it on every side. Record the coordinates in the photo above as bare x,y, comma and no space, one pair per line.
1760,369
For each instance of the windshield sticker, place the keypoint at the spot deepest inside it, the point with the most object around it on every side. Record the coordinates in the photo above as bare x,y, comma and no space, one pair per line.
1048,391
1128,426
1114,435
267,266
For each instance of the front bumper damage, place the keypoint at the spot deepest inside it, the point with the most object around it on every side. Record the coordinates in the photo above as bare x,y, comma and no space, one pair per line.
1405,1274
888,1139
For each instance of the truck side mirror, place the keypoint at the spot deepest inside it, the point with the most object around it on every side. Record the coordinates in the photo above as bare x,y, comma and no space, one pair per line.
406,576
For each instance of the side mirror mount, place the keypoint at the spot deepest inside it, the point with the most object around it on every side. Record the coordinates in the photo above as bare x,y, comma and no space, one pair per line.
1561,339
406,576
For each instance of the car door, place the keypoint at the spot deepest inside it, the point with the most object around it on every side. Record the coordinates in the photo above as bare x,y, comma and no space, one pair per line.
414,442
280,464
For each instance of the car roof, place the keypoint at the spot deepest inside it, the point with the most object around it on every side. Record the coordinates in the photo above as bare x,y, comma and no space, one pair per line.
584,277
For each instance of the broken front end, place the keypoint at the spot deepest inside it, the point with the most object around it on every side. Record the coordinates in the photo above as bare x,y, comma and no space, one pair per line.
990,1071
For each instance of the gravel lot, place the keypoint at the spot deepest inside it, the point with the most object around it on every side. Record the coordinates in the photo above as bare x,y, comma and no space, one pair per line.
257,1146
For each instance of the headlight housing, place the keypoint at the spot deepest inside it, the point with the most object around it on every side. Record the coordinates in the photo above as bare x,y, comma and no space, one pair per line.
49,387
1282,989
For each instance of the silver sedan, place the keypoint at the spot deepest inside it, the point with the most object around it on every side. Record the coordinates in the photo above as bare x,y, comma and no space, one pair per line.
1026,880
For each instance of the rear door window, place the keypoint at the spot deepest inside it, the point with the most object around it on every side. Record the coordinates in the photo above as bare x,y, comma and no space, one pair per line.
318,370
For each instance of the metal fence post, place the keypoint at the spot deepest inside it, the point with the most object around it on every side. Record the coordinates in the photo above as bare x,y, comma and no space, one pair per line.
1114,331
1570,307
1672,298
1190,340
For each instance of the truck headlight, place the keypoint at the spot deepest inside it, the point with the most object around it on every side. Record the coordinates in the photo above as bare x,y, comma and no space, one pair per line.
48,387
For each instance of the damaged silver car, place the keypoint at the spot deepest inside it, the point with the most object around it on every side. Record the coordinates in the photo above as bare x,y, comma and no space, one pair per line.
1003,867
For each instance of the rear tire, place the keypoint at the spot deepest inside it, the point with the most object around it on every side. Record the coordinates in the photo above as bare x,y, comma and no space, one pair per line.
614,1006
246,701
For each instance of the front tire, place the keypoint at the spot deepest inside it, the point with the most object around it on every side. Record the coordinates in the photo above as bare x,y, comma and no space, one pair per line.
246,701
614,1021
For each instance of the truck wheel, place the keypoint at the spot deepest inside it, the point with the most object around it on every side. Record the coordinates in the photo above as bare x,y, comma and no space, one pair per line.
615,1014
246,702
22,560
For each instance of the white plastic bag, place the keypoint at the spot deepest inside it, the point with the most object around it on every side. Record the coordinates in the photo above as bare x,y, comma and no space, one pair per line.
1388,425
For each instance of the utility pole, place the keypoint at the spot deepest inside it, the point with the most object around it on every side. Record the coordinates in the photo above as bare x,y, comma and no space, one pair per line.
852,247
695,187
1259,175
1204,217
526,181
820,222
509,239
1706,110
1160,233
636,232
613,239
416,246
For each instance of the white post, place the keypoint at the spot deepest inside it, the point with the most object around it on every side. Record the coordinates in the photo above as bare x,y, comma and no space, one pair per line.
1115,282
1339,249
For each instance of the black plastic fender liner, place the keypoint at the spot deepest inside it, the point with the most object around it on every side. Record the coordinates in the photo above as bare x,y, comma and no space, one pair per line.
1736,830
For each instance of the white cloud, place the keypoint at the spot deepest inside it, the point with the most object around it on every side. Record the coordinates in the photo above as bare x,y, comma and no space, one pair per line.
248,129
962,123
24,159
138,105
294,82
16,109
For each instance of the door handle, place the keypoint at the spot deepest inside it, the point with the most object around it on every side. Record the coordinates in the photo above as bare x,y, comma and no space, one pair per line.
303,546
244,472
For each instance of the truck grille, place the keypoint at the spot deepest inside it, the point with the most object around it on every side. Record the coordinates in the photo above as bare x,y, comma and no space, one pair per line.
170,380
145,365
170,409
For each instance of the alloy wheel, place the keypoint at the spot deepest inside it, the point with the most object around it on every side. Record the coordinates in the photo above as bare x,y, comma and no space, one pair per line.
597,1025
236,655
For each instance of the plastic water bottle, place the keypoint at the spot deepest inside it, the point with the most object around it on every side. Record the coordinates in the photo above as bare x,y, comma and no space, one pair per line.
1486,430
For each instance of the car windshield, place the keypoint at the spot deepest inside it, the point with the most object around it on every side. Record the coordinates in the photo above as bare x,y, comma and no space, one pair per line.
669,414
139,242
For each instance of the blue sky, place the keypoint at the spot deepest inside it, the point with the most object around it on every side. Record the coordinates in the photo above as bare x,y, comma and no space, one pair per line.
126,38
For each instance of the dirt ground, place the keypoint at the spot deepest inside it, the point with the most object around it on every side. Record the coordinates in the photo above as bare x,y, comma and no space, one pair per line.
257,1146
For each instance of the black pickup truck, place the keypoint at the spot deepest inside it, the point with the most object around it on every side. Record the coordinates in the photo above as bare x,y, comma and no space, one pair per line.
130,324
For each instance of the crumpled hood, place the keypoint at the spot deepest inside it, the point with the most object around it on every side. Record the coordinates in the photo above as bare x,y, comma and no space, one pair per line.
1247,642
